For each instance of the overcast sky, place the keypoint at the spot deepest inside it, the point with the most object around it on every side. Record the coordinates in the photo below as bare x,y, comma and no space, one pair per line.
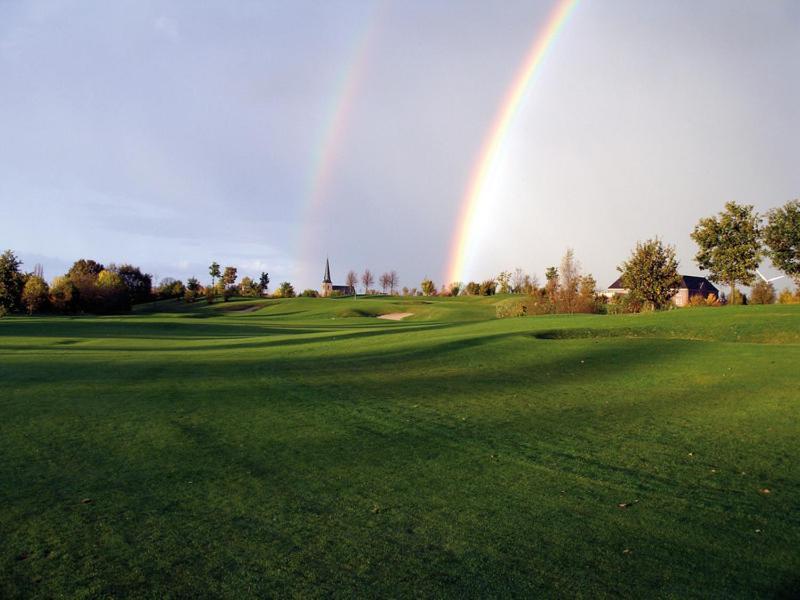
171,134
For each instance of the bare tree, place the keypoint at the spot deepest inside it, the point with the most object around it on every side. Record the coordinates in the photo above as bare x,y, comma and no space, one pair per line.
394,281
352,280
367,279
384,281
518,281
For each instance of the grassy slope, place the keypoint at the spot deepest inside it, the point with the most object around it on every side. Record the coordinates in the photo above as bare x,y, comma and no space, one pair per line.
298,450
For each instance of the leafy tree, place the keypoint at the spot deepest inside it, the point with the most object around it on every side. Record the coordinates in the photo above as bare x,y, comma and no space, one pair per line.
263,283
405,291
192,290
211,293
193,285
352,280
587,295
83,273
248,287
488,287
138,284
309,293
229,276
286,290
551,286
111,293
64,295
170,288
84,268
762,293
214,271
473,288
12,282
455,288
367,279
729,245
504,282
569,280
35,294
428,287
787,297
782,237
651,273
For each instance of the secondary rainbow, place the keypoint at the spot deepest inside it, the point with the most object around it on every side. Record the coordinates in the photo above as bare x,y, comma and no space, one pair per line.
466,223
333,133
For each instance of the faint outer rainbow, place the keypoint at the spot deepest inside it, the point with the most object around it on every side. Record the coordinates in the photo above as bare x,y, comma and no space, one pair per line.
332,136
502,122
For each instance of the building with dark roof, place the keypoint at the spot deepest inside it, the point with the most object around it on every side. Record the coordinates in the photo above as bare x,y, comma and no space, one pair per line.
690,287
328,289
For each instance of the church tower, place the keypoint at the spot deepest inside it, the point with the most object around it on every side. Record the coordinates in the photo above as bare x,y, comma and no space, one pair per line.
327,284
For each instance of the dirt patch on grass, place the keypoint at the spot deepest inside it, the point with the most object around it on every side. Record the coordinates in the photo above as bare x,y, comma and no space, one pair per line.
395,316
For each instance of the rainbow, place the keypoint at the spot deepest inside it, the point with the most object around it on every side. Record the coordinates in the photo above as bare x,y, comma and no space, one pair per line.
332,136
467,222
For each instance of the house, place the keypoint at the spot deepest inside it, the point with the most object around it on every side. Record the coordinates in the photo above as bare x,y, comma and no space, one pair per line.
328,289
690,287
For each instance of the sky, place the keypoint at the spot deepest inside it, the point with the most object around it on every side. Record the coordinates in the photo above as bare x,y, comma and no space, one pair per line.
269,135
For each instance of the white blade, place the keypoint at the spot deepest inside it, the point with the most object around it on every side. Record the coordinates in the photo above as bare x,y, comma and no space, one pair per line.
769,280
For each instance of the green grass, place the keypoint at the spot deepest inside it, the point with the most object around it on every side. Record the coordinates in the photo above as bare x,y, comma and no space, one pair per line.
304,448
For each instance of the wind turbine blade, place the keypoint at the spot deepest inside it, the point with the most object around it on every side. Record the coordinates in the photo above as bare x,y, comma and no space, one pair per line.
762,277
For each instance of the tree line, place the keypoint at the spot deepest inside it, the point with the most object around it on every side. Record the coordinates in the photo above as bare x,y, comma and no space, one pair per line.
731,246
91,287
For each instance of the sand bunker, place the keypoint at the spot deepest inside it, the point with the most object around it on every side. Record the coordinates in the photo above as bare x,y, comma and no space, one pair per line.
395,316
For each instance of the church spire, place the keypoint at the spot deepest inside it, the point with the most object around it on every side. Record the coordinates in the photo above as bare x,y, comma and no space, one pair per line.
327,278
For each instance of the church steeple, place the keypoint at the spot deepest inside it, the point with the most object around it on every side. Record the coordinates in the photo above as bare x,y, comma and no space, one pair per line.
327,278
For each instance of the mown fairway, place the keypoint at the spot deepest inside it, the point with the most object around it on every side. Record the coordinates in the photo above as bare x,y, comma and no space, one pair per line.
306,450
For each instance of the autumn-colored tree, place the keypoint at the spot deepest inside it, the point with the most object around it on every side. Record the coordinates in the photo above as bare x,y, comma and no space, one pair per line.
367,278
488,287
229,276
782,237
473,288
35,294
569,280
111,293
730,246
428,287
651,273
762,292
587,295
64,295
248,287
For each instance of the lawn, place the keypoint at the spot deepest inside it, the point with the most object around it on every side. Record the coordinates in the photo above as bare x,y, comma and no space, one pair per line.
305,448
